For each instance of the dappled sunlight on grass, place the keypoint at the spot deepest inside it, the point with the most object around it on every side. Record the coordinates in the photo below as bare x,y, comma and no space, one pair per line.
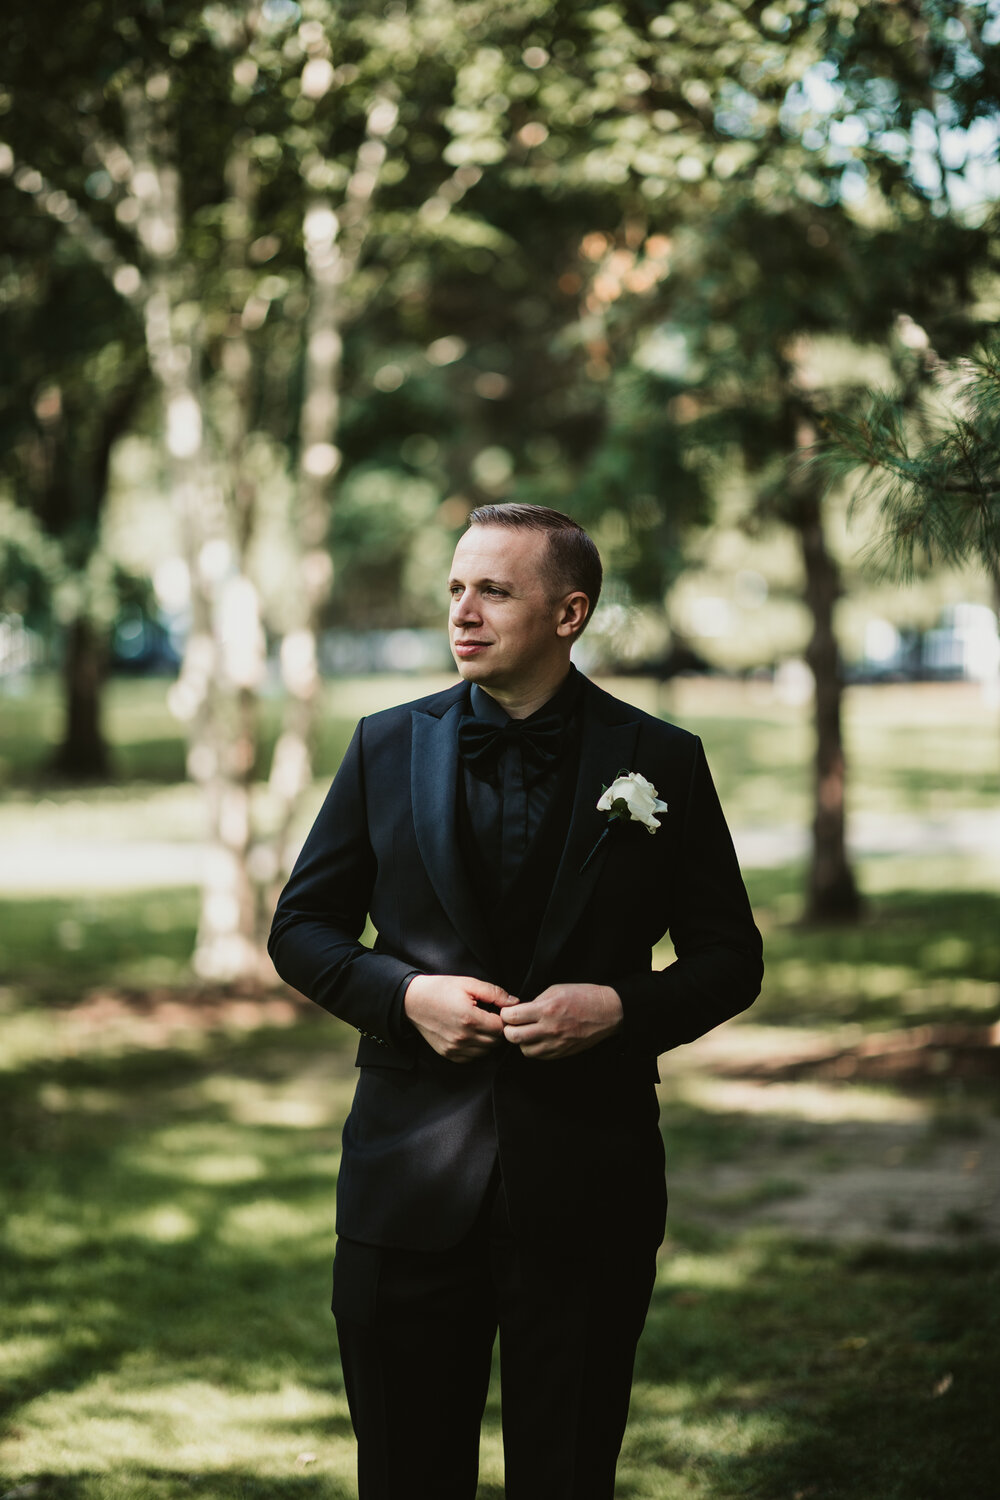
222,1168
319,1097
168,1251
808,1364
136,1416
189,1253
271,1221
727,1269
800,1101
927,948
164,1223
924,748
22,1354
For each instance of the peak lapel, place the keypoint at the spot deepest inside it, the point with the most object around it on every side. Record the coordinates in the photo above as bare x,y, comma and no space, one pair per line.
433,787
605,749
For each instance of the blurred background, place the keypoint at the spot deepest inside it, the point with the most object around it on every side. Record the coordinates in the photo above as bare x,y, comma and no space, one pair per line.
287,289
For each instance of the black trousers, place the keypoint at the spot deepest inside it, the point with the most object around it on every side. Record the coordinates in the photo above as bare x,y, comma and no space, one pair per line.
416,1332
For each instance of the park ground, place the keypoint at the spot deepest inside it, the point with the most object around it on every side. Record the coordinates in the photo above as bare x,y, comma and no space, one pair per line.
826,1320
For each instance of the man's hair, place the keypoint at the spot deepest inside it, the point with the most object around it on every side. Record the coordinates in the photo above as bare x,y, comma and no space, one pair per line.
571,561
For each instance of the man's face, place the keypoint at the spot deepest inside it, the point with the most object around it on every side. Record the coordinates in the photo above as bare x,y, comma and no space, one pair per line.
503,624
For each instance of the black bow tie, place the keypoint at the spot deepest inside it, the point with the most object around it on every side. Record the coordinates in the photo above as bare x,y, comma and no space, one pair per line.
542,741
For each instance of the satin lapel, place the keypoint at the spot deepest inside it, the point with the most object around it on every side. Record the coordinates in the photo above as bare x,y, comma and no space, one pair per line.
433,781
605,750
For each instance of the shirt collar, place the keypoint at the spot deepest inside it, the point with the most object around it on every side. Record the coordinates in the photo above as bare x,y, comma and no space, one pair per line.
563,702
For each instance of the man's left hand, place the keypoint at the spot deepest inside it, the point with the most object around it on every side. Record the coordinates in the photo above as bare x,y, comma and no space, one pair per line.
563,1019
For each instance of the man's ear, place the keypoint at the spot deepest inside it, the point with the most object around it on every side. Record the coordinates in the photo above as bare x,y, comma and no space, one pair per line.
573,614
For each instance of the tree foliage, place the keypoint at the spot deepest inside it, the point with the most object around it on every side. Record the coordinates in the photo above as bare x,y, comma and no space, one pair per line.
384,261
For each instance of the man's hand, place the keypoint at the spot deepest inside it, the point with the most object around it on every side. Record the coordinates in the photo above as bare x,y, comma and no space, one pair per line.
563,1019
443,1008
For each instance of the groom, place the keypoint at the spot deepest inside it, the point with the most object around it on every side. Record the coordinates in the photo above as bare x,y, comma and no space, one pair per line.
502,1164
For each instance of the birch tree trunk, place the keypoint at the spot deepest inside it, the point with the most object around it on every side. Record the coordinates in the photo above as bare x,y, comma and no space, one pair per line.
214,693
334,243
228,945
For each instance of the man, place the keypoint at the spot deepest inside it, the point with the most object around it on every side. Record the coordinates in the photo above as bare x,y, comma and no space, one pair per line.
502,1163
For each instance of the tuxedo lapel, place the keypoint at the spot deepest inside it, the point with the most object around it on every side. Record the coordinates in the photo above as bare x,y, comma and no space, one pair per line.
605,749
434,771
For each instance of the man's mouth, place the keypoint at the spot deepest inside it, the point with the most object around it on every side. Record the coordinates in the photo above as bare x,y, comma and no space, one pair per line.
470,648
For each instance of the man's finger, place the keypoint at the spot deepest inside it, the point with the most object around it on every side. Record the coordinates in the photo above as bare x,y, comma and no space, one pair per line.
488,996
516,1014
523,1035
484,1023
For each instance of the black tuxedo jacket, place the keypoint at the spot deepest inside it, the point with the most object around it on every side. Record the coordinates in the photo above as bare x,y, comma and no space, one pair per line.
576,1136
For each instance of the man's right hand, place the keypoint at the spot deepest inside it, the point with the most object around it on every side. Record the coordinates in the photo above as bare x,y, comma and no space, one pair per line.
444,1009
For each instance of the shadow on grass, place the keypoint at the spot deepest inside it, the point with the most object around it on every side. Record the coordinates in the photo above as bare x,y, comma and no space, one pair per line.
169,1219
820,1372
917,957
160,1484
166,1269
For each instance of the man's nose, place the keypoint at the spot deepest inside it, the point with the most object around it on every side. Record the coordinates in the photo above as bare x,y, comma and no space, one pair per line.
463,608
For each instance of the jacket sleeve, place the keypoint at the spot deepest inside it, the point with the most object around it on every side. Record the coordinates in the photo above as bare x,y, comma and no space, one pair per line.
321,913
719,965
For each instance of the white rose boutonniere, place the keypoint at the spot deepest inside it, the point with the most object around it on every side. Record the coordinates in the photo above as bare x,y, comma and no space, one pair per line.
630,798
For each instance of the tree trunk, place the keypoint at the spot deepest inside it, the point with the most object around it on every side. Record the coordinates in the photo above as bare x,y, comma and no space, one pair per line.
229,945
213,695
832,894
319,460
83,754
333,246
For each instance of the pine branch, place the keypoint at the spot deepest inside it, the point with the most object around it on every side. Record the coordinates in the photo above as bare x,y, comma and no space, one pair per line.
939,499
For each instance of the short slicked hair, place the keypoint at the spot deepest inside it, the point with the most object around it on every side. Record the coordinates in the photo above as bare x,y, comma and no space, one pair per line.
572,560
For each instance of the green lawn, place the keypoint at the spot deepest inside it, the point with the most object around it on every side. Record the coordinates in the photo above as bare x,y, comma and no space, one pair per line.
165,1261
170,1162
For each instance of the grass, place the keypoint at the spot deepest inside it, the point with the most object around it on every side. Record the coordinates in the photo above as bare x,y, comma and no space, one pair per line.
920,750
169,1169
57,947
147,742
773,1368
919,956
165,1261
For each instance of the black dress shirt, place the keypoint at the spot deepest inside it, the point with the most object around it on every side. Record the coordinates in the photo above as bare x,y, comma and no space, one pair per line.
506,807
503,800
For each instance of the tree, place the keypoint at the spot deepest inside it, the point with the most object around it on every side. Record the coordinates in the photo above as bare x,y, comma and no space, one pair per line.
72,379
806,209
523,207
216,165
